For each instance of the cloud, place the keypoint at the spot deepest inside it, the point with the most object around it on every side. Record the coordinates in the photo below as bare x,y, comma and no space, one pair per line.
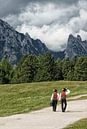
80,22
8,7
47,22
54,37
83,34
52,22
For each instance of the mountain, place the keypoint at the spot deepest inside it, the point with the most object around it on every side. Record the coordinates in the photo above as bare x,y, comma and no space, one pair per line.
75,47
13,45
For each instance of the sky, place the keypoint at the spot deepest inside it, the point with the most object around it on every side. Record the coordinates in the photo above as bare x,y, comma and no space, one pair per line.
51,21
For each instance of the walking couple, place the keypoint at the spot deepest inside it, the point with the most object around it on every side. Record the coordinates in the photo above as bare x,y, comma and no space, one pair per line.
62,96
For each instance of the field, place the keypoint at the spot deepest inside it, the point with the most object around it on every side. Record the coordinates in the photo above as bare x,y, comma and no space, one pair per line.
82,124
23,98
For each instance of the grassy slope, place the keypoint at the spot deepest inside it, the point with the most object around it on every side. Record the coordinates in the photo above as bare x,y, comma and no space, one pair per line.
20,98
82,124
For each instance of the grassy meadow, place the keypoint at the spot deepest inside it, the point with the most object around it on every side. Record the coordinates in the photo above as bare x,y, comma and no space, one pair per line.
23,98
82,124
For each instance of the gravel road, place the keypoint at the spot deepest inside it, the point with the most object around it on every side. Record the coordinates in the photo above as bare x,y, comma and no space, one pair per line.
46,118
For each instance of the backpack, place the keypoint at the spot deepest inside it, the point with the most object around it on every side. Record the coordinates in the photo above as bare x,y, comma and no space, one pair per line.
63,95
55,96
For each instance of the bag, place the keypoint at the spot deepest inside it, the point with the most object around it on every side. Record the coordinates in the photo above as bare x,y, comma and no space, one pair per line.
55,96
51,103
63,95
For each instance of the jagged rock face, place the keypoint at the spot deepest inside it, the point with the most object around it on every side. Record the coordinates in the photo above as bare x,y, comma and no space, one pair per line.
9,43
14,45
76,47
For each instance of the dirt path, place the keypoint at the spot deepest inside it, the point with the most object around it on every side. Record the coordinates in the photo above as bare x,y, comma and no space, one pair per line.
46,118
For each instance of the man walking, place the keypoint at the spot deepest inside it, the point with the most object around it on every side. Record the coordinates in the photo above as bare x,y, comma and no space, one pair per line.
63,95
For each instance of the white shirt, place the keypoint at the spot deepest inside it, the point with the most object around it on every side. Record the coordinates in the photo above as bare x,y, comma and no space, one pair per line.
67,92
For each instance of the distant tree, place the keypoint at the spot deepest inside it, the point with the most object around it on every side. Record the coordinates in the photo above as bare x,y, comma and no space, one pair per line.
2,74
46,66
70,75
26,71
80,72
58,70
66,67
5,71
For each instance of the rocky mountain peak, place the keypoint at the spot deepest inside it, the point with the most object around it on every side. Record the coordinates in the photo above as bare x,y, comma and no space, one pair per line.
71,38
76,47
27,35
5,25
13,45
79,38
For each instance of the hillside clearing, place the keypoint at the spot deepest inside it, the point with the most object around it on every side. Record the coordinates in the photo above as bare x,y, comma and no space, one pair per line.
23,98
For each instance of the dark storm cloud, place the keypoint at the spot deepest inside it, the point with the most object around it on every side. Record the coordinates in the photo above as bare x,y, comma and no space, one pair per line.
11,6
14,6
49,20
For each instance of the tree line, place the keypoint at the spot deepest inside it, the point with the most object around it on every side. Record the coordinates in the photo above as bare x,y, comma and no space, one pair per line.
33,68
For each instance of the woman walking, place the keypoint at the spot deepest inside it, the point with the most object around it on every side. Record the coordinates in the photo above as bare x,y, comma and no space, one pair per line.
54,99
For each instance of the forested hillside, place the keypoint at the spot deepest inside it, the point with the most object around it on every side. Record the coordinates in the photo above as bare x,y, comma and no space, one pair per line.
43,68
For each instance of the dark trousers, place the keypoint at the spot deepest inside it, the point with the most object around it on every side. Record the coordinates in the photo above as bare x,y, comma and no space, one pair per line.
63,104
54,105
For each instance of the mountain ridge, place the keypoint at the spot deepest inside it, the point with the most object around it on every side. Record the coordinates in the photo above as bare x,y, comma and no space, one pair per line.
14,45
75,47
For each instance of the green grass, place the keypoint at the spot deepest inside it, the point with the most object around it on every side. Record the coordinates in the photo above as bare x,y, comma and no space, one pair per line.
23,98
81,98
84,97
82,124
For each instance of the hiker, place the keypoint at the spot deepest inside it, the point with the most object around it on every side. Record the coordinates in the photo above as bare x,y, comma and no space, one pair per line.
54,99
63,96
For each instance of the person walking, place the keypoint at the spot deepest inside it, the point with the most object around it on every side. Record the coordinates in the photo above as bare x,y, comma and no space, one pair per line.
63,96
54,99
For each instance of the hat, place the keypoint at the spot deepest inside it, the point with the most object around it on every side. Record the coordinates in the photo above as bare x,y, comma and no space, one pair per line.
64,89
55,90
